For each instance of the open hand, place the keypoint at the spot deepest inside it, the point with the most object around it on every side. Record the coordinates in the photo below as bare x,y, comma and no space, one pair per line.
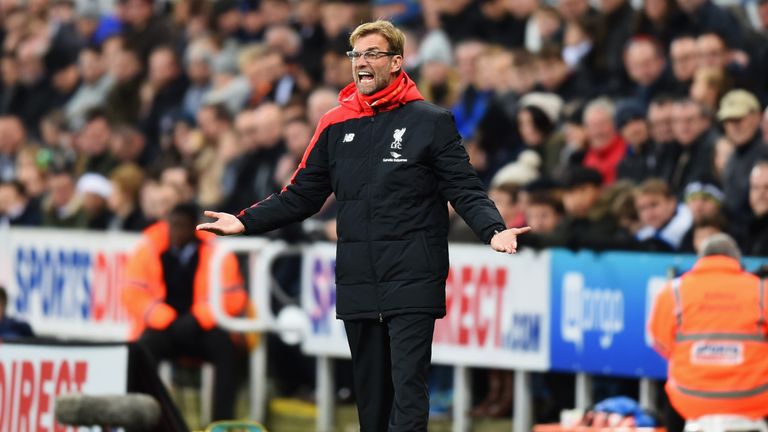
225,224
506,241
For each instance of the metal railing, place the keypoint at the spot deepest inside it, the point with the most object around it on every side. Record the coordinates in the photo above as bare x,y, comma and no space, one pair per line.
20,249
262,254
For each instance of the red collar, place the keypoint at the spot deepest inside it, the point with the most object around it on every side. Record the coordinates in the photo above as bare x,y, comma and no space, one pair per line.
399,92
383,98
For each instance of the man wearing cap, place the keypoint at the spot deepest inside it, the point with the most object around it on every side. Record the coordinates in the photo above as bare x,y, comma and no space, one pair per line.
704,201
94,191
740,115
586,224
639,162
537,119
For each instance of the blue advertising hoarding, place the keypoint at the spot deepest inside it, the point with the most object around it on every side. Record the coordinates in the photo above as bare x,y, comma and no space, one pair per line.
600,304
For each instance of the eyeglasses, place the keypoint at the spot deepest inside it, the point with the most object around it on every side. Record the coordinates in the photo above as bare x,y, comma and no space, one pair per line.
369,55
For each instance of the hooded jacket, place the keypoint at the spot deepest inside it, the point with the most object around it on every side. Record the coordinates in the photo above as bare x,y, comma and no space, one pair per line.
393,162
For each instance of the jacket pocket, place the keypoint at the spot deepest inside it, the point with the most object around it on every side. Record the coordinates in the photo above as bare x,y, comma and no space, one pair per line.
353,263
438,255
427,251
401,260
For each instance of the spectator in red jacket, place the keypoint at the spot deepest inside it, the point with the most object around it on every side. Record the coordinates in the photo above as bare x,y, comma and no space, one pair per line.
606,147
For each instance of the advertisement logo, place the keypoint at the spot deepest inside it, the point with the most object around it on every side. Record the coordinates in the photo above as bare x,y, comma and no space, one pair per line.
80,285
479,314
586,310
30,389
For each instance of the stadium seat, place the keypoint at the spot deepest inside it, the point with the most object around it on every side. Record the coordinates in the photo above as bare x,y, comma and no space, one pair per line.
235,426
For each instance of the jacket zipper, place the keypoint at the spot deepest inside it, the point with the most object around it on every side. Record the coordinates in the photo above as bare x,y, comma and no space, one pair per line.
371,156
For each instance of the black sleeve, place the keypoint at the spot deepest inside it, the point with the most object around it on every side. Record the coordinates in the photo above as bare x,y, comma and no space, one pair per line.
459,182
303,197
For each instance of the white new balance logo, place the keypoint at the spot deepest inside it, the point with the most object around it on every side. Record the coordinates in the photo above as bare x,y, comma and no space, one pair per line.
349,137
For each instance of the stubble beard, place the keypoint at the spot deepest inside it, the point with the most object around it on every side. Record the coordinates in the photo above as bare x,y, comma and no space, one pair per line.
369,88
380,81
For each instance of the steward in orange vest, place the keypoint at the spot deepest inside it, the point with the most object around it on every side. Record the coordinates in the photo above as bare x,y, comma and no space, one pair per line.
166,293
145,291
710,325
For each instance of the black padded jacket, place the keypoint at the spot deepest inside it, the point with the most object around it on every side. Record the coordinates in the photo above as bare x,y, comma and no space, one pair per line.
393,169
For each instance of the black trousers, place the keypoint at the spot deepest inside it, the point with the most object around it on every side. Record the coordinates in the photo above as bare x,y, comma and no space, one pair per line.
184,337
390,362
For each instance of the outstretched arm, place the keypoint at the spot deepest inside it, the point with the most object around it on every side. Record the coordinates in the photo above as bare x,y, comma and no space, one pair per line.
303,197
460,184
506,241
225,224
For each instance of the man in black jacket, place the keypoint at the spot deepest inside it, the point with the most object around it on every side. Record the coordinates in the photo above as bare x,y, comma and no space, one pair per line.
692,155
739,113
393,162
640,161
755,237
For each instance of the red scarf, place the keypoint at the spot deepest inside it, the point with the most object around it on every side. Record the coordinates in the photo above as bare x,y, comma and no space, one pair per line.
382,98
399,92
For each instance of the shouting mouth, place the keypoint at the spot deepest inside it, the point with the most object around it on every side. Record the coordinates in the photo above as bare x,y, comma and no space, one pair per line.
364,76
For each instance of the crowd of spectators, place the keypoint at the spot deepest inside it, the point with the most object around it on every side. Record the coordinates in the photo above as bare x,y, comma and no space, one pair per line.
605,125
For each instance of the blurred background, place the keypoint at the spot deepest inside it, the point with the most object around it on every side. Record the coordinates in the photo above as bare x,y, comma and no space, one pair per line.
606,126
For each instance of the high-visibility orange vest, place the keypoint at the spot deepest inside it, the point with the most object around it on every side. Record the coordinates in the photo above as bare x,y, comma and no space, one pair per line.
710,325
144,290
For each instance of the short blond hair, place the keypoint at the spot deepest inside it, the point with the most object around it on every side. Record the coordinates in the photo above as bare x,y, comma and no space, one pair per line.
249,54
128,178
395,38
654,186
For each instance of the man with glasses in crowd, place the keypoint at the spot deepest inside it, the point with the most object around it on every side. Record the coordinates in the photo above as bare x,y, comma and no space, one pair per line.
393,161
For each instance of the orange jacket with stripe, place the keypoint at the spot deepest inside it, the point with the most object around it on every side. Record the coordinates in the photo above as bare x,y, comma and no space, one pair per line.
710,325
144,290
